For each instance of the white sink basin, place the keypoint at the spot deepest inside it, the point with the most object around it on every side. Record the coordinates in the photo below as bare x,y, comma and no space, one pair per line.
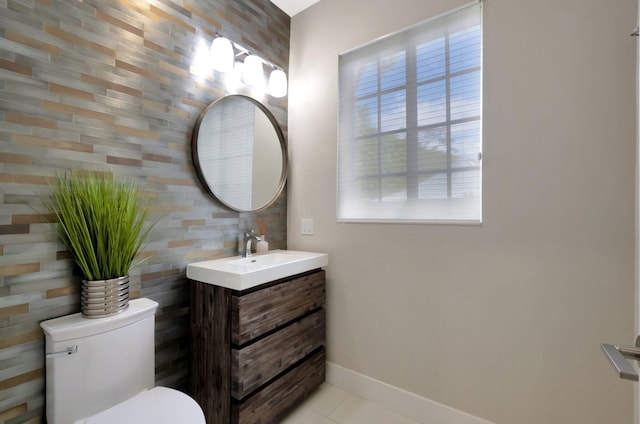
238,273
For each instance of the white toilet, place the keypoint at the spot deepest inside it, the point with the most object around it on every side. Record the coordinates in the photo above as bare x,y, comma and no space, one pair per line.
101,371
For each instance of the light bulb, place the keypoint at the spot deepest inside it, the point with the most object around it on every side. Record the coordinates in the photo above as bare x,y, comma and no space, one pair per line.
278,83
233,79
222,56
202,61
252,72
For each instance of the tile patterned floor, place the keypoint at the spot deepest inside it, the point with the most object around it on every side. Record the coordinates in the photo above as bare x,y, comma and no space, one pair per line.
332,405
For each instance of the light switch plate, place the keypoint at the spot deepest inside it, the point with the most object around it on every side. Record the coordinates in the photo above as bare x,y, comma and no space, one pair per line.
307,226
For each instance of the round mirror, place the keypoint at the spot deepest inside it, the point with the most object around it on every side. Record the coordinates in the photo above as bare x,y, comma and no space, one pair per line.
239,153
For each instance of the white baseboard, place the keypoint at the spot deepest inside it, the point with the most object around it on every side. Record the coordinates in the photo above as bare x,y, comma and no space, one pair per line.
410,405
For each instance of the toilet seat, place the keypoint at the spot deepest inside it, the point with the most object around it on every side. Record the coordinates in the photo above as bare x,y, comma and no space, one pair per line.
159,405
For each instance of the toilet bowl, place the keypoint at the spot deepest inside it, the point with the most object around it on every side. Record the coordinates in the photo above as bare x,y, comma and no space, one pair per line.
102,371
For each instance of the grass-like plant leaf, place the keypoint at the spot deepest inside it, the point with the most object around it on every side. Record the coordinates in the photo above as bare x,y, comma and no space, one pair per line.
101,221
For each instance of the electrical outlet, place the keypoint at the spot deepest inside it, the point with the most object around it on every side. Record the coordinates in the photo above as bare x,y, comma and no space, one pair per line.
307,226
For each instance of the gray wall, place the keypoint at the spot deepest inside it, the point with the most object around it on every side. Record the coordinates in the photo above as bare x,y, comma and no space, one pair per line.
502,320
106,84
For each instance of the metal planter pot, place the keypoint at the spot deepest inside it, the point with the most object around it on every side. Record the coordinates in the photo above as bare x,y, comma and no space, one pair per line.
104,298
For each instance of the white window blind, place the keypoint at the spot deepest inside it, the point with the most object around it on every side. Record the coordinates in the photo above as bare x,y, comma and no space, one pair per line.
410,124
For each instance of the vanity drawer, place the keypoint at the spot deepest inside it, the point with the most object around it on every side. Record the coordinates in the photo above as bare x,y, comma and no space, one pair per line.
256,364
272,403
258,312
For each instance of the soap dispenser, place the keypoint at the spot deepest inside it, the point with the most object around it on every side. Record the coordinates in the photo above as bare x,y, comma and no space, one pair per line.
262,246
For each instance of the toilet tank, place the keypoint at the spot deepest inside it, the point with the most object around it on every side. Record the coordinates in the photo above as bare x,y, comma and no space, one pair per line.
93,364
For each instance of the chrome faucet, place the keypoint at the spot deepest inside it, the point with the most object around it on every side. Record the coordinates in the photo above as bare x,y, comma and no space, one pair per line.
249,236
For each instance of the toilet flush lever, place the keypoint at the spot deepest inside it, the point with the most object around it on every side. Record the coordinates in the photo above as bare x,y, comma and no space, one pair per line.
70,351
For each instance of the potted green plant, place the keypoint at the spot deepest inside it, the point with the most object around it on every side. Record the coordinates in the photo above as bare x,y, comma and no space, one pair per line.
102,221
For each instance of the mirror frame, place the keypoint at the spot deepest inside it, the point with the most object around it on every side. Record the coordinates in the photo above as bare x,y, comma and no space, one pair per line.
281,139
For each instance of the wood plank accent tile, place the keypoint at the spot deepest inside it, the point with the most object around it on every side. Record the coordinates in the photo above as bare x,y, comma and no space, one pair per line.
168,209
173,69
180,243
204,255
191,222
6,178
14,229
236,12
209,18
190,102
179,147
34,218
15,67
52,143
24,119
14,310
172,313
216,92
77,40
170,18
210,33
31,179
162,108
157,47
145,73
122,129
160,274
145,254
170,181
150,194
62,291
119,23
15,158
224,215
178,8
20,339
31,42
63,255
22,378
74,110
110,85
14,412
73,92
136,6
9,270
157,158
227,17
114,160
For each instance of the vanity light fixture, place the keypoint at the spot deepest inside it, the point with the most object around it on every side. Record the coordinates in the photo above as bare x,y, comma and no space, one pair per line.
223,54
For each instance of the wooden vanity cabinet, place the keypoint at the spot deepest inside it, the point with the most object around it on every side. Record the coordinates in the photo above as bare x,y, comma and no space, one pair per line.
259,352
